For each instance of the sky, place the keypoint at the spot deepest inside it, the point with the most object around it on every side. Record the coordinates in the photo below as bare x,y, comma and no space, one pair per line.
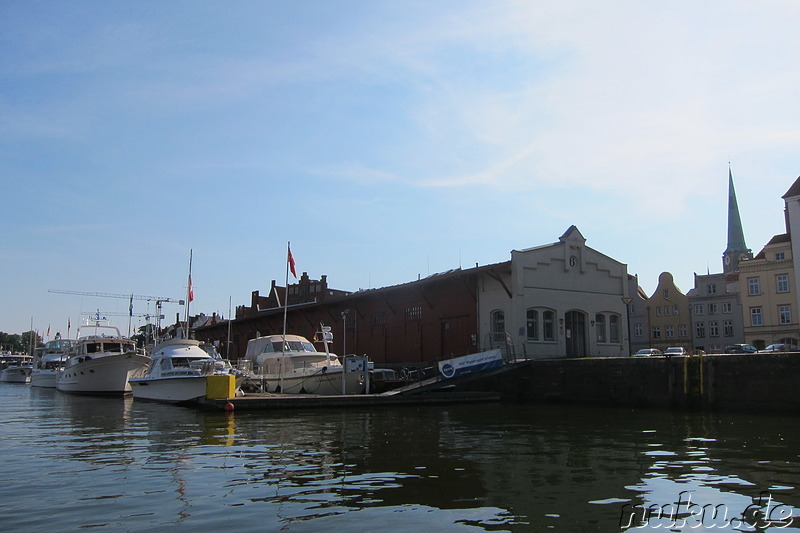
385,140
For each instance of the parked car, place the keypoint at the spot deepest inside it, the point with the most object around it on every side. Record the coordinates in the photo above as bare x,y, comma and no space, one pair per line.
741,348
647,352
772,348
676,350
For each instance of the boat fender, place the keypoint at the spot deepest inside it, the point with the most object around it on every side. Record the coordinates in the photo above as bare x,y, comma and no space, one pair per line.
229,407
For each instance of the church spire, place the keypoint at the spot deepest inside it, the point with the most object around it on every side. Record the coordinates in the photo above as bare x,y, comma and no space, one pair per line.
737,249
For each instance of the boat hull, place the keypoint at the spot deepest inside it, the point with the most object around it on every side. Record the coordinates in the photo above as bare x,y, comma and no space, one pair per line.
108,374
322,383
179,389
15,374
43,378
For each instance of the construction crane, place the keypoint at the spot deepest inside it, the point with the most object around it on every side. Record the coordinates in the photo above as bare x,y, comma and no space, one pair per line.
159,300
100,315
156,299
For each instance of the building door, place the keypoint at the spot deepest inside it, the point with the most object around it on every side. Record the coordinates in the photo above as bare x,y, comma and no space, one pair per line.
446,350
575,333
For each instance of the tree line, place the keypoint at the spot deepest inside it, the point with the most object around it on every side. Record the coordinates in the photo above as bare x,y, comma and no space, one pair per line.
19,343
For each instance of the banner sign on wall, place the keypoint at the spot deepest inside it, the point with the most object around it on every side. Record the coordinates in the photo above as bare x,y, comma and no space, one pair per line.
475,362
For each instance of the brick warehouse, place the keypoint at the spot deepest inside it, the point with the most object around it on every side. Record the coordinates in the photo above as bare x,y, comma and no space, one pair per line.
422,321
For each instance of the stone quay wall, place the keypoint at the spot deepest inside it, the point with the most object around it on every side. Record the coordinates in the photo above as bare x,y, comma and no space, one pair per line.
768,382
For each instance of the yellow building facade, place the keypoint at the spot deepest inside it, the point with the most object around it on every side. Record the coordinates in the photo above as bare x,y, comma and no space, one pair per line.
668,316
767,289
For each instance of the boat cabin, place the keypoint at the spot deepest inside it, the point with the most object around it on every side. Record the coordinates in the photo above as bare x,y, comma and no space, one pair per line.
100,345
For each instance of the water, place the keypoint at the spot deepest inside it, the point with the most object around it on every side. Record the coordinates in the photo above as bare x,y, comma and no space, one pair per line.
71,463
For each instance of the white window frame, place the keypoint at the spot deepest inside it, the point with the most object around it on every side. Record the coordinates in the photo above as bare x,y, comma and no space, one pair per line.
600,328
756,317
727,328
753,286
782,283
700,330
785,314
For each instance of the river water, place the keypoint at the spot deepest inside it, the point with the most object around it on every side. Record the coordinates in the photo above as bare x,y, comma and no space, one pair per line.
73,463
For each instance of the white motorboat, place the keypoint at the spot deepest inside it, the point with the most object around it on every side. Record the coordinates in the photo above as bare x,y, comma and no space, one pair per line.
101,362
290,364
15,368
179,372
48,361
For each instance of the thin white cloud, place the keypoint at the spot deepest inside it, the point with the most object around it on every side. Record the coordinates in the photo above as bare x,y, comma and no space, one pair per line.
640,95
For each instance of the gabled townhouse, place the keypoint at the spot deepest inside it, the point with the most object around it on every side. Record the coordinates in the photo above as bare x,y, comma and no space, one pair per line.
716,312
668,315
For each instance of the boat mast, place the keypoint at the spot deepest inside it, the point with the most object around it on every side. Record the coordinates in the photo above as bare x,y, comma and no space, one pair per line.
285,308
189,294
228,341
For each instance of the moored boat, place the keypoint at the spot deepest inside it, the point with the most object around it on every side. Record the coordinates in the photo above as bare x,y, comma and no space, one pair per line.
101,362
15,368
48,361
179,372
290,364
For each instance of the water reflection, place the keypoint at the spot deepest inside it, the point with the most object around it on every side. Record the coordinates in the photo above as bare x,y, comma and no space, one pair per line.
145,466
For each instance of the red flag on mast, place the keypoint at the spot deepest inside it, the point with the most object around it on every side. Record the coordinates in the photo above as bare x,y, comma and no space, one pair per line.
291,264
191,290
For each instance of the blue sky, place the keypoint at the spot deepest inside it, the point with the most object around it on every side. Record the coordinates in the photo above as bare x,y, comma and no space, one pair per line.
385,140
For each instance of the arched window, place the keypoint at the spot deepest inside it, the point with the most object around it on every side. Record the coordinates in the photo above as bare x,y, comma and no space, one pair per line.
600,327
498,326
548,325
533,325
613,329
541,325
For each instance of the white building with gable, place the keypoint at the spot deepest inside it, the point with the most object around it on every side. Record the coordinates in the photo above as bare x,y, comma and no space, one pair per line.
559,300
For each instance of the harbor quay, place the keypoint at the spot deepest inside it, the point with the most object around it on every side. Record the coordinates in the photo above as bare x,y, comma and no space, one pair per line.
757,382
762,382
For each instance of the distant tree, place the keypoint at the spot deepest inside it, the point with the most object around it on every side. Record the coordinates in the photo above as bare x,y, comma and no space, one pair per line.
26,343
19,343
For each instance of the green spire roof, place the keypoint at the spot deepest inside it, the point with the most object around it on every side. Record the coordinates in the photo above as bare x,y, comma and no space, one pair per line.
736,242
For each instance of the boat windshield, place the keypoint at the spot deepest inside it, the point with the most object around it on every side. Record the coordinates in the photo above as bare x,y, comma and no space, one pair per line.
114,347
59,345
291,346
180,362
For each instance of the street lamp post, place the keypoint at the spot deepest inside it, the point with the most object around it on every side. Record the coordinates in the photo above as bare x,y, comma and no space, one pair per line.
344,332
627,301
